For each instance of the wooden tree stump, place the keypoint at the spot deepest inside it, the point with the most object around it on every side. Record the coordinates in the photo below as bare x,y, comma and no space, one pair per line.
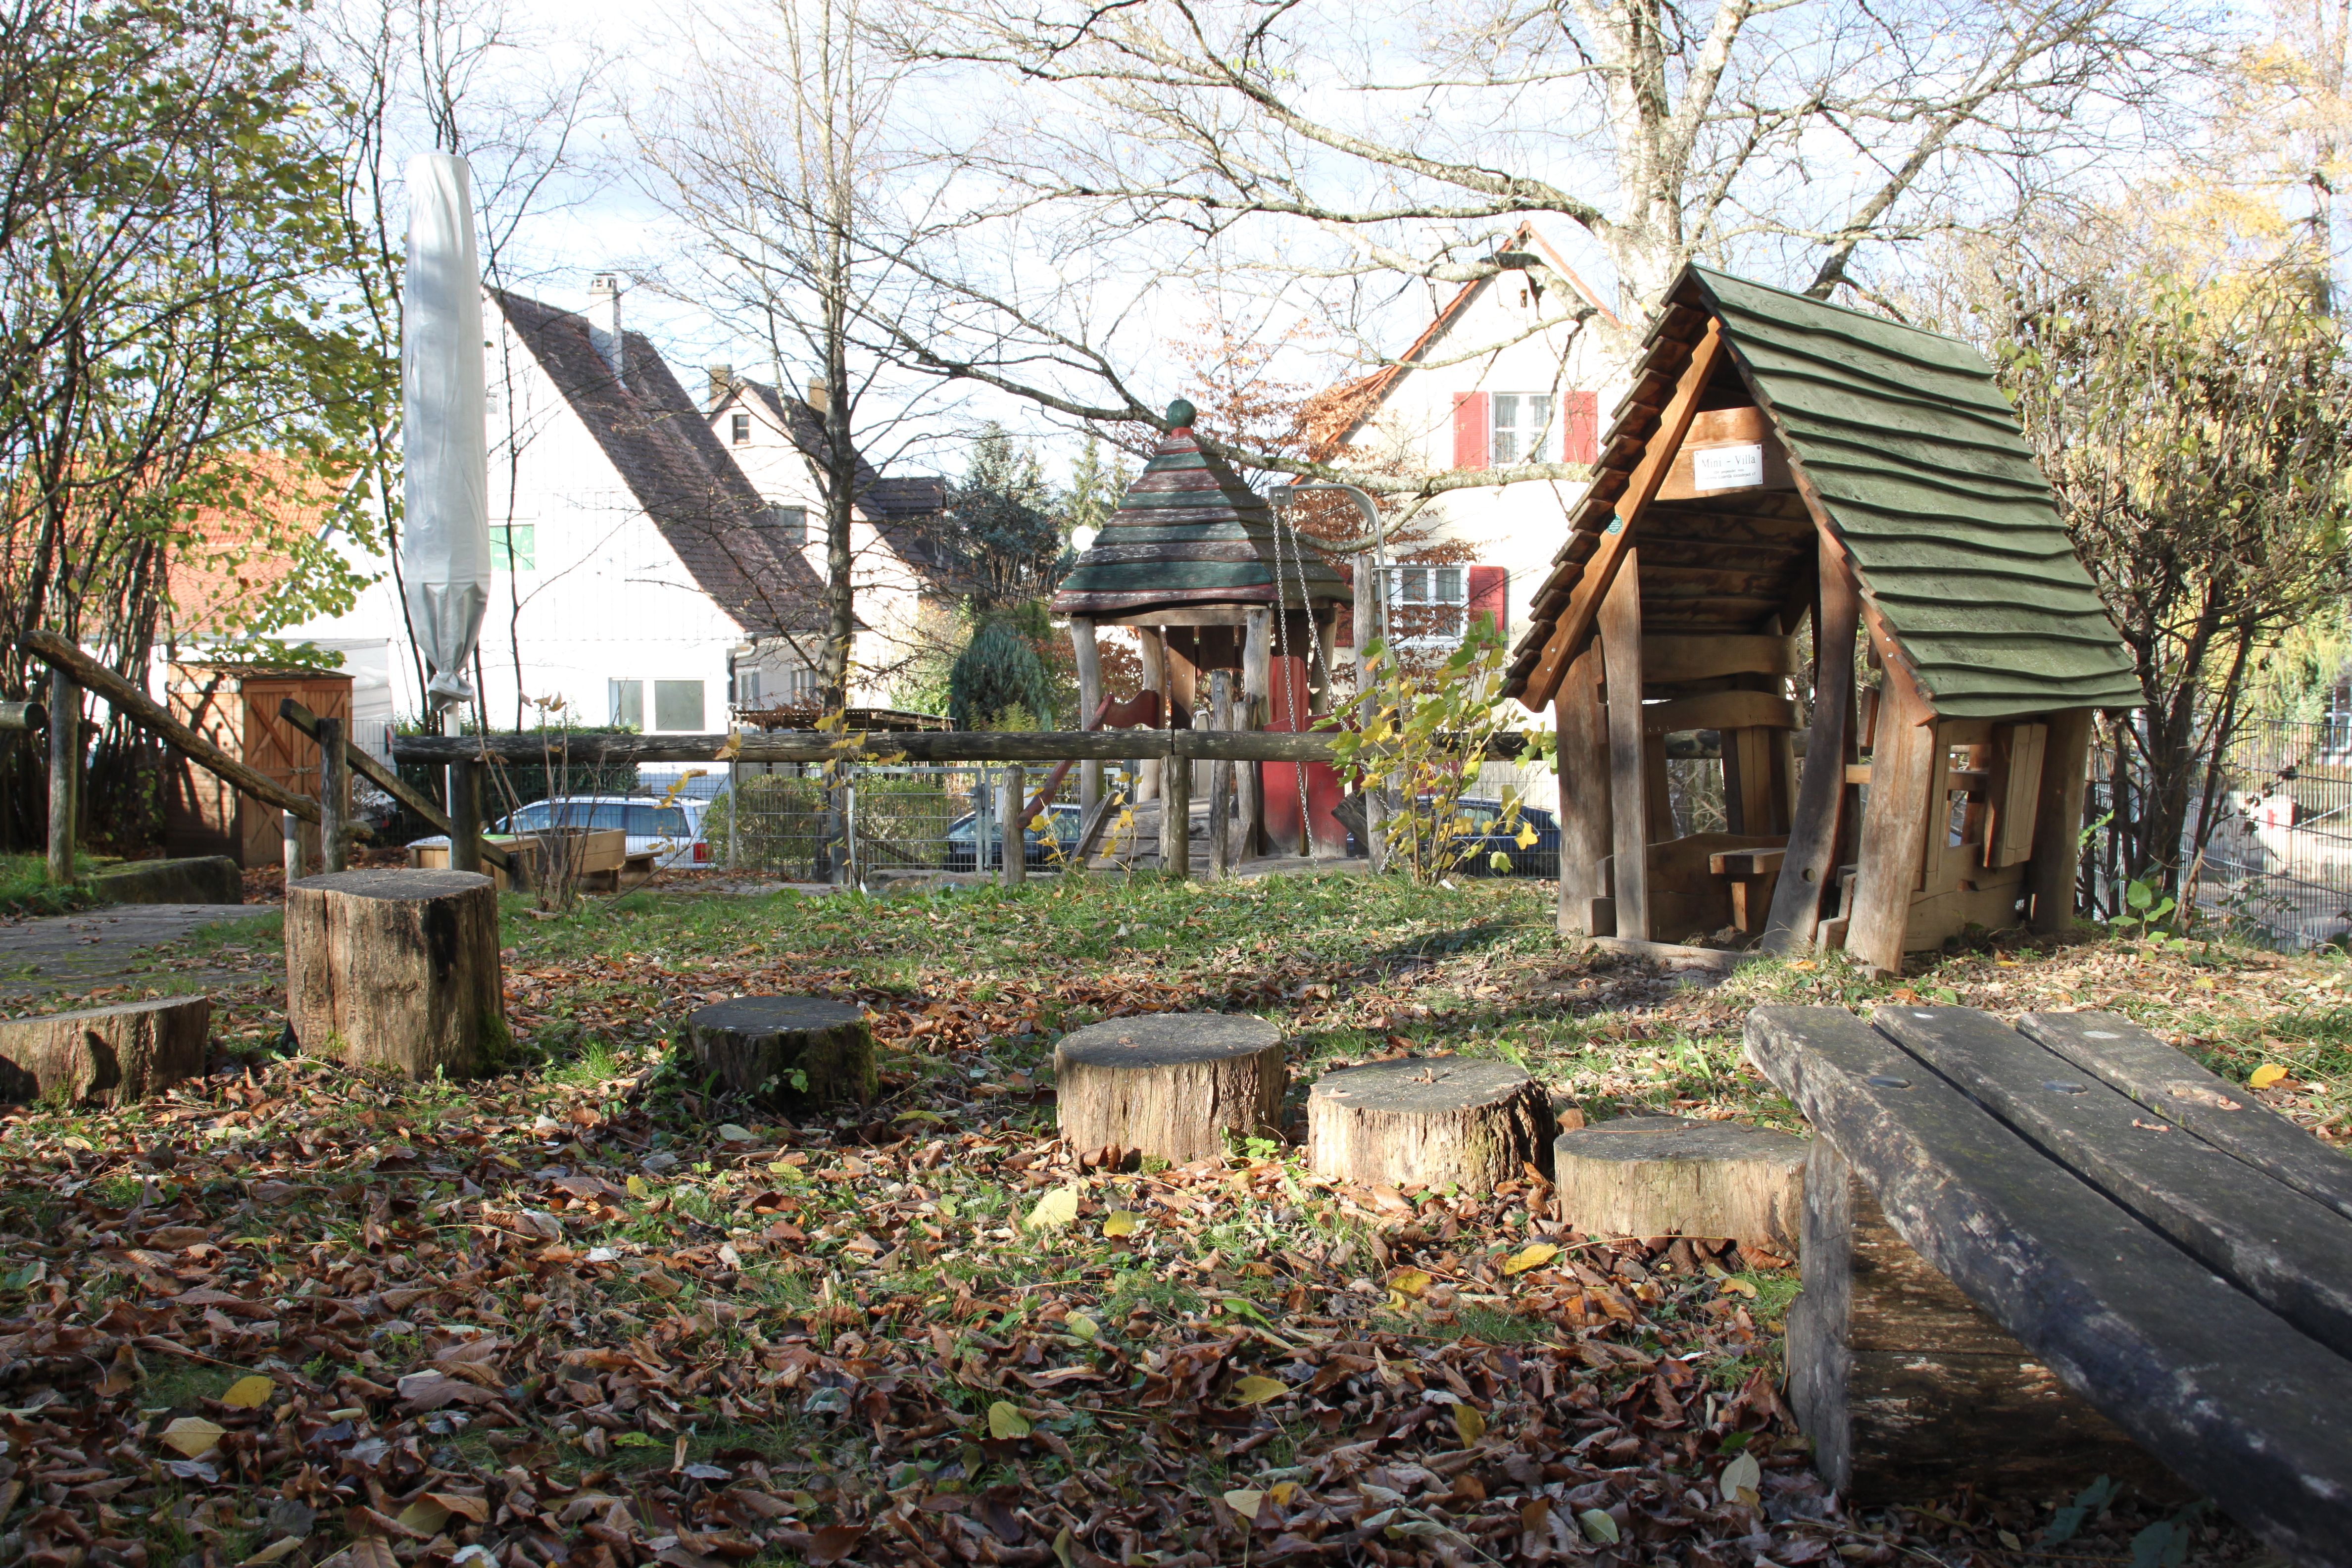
113,1055
795,1052
1427,1121
398,967
1663,1175
1173,1086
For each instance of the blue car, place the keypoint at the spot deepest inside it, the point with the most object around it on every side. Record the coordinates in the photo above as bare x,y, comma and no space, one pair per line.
1540,858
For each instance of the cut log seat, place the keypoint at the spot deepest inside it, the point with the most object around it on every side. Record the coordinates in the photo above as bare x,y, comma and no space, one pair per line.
2195,1298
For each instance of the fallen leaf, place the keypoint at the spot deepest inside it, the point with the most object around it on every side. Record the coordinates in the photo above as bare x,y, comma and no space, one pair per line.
1258,1389
833,1544
1005,1420
1740,1479
637,1187
473,1508
424,1515
1468,1424
274,1551
2265,1075
1054,1210
1727,1285
1244,1502
248,1393
1535,1254
1409,1281
1120,1222
193,1435
1081,1325
1598,1528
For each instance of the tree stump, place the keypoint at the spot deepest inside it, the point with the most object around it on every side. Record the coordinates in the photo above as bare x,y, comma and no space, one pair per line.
113,1055
1664,1175
397,967
795,1052
1173,1086
1426,1122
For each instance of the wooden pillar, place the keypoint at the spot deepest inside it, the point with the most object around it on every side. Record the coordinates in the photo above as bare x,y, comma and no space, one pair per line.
1809,871
64,771
1620,625
1089,655
1584,831
334,798
466,817
1257,679
2058,820
1220,780
1325,627
1154,646
1176,817
1009,802
1905,766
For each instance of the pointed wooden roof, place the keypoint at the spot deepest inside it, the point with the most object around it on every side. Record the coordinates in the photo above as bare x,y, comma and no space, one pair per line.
1188,533
1906,450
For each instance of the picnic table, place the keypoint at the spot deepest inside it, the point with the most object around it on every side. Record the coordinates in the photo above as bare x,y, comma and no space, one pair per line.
2172,1259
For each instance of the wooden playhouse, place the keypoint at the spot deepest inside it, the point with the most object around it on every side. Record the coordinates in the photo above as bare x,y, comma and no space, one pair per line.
1196,563
1780,461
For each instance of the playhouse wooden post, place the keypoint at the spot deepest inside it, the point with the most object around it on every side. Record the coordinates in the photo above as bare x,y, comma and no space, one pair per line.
1089,655
1619,623
1810,869
1257,681
1904,767
2058,820
1220,779
1584,818
1154,646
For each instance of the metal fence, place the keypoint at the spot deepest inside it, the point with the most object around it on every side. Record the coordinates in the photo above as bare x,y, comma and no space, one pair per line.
2277,864
788,820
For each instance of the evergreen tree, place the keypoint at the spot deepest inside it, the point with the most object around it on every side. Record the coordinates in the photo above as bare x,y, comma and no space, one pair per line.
1002,525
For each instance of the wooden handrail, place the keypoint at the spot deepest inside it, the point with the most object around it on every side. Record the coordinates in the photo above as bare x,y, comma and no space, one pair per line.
363,763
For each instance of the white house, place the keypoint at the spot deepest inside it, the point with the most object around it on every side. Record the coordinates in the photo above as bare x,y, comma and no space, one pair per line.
1478,388
778,441
636,567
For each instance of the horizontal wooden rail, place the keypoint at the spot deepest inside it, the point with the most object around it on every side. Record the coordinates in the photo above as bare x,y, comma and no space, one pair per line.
302,719
24,716
137,706
934,746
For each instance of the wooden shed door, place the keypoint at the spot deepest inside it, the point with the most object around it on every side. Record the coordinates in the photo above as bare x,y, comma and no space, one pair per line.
283,754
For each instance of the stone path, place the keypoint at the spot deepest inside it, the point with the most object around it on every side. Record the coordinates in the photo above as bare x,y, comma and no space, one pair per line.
108,946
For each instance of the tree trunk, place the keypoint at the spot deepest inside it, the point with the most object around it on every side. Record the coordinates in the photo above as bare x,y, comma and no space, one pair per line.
1660,1175
1174,1085
111,1055
1427,1121
795,1053
397,967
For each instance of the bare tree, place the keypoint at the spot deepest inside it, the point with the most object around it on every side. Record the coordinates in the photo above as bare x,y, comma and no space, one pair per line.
1370,154
778,157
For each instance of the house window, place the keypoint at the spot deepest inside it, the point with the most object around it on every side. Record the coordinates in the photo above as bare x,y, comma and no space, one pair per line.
791,523
514,547
739,429
677,705
747,688
1522,423
628,703
1431,606
804,686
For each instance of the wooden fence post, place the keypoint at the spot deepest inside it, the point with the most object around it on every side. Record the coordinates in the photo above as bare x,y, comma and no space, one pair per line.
1015,837
1220,780
65,771
334,798
1176,816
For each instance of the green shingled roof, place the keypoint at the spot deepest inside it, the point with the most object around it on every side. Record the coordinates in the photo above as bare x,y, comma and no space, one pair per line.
1918,460
1190,532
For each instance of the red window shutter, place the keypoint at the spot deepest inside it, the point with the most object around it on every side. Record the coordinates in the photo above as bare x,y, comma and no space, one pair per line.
1490,592
1470,427
1580,431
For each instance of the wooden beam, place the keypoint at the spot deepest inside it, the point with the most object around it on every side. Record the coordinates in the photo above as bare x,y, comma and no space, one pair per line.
386,779
1715,711
1584,822
2058,820
2010,837
1667,661
1629,808
1576,622
1088,652
1821,791
1904,769
134,704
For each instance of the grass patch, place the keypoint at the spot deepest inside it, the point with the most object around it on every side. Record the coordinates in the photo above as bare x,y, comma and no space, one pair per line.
26,888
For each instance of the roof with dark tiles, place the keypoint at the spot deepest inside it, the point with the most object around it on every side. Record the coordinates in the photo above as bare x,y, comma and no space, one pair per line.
666,452
901,509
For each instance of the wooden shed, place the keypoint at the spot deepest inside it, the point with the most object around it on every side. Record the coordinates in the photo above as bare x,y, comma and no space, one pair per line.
1779,461
1196,562
234,706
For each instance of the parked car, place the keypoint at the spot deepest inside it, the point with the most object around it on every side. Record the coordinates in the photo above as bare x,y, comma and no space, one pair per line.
1044,846
671,831
1540,858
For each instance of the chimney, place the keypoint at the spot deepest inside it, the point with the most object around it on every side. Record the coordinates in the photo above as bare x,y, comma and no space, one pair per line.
817,398
722,382
605,322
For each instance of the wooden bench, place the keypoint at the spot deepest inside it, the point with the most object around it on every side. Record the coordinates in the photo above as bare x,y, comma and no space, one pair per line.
2156,1242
